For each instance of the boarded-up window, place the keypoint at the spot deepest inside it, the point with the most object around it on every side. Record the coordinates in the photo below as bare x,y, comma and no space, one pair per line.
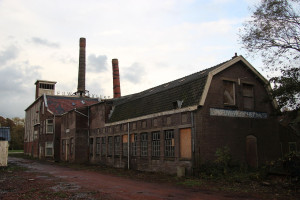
229,93
125,145
185,143
248,97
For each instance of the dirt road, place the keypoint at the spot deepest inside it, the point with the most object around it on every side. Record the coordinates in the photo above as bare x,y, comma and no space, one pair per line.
118,187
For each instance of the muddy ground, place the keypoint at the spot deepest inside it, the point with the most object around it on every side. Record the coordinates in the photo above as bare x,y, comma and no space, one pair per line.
31,179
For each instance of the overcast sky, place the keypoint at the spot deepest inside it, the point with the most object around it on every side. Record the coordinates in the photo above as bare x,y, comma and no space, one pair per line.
156,41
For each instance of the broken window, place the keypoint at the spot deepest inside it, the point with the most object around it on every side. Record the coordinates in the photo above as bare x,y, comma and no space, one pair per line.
49,126
48,148
248,96
133,144
144,144
169,143
156,144
117,145
98,146
229,93
103,146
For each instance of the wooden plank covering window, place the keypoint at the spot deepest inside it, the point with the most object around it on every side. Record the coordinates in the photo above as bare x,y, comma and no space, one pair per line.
186,143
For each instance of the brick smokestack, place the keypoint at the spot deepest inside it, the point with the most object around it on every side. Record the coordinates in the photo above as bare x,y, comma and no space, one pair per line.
81,71
116,78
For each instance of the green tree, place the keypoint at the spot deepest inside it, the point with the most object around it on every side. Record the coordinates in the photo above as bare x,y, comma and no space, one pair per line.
17,130
274,33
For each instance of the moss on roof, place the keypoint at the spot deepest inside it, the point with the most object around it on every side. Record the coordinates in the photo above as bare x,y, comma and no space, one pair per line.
161,98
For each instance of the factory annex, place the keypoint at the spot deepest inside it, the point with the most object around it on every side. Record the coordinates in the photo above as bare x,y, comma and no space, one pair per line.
178,124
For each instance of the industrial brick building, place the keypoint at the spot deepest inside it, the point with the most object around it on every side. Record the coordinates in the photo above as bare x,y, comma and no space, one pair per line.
177,124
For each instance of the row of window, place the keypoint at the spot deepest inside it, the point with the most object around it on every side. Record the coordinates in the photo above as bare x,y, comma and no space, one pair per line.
115,146
133,126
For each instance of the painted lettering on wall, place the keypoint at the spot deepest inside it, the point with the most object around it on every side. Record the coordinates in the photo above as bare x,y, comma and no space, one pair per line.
237,113
88,94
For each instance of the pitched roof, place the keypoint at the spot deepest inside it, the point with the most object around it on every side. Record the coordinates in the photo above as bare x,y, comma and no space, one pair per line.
159,99
61,104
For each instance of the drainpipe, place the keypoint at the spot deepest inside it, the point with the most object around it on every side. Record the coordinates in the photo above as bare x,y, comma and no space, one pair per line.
128,140
54,138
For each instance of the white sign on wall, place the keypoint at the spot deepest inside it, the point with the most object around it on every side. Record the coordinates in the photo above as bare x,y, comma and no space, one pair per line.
237,113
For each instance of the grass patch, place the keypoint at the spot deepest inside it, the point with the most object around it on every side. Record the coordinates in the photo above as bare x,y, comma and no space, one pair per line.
16,151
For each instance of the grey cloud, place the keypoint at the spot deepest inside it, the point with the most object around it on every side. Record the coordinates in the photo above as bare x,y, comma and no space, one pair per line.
97,63
9,54
44,42
134,73
17,88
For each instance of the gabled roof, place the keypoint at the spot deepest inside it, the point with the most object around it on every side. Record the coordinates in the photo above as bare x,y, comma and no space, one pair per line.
192,90
161,98
61,104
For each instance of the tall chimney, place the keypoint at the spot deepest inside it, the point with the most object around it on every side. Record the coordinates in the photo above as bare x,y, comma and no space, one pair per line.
81,71
116,78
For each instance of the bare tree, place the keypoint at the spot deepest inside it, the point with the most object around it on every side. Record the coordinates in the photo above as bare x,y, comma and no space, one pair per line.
274,33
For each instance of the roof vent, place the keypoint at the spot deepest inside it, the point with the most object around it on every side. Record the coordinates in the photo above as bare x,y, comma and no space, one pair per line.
181,80
177,104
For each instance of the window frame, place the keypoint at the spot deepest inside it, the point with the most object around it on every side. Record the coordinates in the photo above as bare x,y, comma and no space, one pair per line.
144,144
169,143
49,125
155,144
247,96
49,145
233,91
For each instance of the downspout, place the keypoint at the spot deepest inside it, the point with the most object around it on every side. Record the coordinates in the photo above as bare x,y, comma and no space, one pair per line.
128,140
54,137
88,140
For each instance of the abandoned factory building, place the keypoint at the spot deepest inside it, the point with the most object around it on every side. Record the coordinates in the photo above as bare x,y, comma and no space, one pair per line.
177,124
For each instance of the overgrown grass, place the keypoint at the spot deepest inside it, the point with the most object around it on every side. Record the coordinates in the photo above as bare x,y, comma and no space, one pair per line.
15,151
